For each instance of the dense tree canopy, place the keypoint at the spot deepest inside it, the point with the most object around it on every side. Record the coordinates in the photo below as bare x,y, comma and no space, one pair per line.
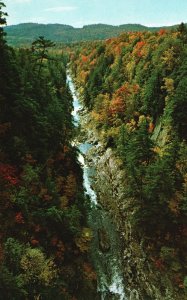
135,93
43,248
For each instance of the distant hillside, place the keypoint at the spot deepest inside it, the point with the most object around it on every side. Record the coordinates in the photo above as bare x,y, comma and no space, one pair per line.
25,33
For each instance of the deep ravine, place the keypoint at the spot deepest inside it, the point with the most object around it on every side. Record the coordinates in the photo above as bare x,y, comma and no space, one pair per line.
105,249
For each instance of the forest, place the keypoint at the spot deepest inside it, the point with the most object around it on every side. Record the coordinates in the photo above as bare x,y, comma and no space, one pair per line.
24,34
133,88
44,236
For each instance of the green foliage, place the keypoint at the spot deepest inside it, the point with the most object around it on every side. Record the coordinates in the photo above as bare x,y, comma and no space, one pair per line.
24,34
134,87
153,98
37,270
180,107
42,199
13,251
185,282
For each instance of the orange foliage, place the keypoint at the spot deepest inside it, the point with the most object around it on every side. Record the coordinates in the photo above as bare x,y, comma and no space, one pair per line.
84,58
162,32
117,50
34,242
151,127
93,62
123,90
4,127
19,218
117,106
140,44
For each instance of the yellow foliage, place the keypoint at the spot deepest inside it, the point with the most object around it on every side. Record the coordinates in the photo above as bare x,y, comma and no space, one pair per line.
63,202
169,59
168,85
83,240
142,119
130,69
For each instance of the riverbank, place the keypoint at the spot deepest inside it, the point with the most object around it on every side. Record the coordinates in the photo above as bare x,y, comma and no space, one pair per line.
143,279
105,247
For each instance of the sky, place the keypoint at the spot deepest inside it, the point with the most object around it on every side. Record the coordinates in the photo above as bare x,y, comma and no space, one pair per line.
83,12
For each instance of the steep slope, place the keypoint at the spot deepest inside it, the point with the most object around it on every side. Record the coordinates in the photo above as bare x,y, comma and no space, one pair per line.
44,238
134,91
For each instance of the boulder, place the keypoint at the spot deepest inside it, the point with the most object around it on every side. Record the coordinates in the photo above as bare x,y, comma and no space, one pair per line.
104,241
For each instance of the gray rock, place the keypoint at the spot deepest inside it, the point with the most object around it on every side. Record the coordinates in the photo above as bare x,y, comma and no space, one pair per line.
104,241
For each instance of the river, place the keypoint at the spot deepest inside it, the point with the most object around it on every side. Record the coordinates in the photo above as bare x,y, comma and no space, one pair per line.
105,247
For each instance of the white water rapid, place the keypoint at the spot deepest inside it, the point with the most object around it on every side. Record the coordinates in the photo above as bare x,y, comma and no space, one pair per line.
107,263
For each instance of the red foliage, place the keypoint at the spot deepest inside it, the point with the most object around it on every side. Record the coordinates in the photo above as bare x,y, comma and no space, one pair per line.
139,45
7,173
19,218
34,242
138,49
162,31
159,264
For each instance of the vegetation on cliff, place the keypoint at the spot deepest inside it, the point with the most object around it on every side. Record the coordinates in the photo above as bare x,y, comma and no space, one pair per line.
135,90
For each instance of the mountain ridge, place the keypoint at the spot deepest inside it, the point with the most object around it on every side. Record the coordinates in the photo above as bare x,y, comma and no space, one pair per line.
25,33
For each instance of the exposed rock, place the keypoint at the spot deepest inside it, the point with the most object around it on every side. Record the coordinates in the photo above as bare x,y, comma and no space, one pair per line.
104,241
142,280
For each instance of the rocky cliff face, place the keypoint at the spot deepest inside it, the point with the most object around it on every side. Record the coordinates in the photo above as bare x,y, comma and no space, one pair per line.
142,279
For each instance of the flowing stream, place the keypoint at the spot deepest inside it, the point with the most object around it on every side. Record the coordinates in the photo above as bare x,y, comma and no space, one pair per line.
105,246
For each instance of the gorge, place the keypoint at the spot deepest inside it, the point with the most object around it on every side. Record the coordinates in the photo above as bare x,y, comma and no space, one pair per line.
105,247
93,184
130,96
